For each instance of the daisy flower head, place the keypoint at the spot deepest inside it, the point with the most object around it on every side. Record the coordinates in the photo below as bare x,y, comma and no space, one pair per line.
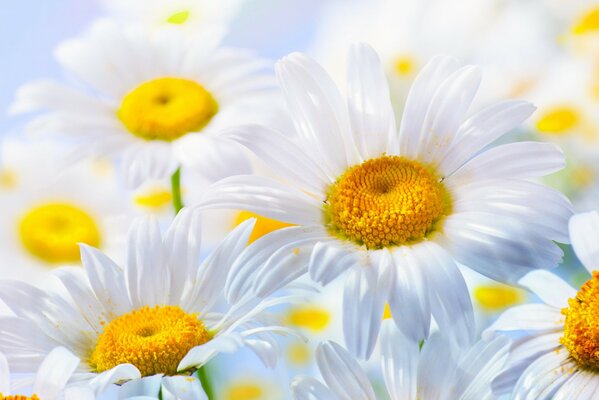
47,210
397,210
153,99
50,380
190,15
556,355
441,370
163,314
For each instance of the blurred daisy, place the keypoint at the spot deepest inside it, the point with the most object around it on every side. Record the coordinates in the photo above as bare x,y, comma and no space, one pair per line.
50,381
395,210
47,210
441,371
557,356
157,99
189,14
161,315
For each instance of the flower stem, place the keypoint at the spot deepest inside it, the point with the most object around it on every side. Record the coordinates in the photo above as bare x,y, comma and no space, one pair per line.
205,379
176,189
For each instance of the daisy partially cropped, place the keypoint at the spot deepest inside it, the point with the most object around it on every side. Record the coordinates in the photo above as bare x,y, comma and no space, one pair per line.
440,371
46,209
162,314
153,99
50,380
557,355
191,15
396,210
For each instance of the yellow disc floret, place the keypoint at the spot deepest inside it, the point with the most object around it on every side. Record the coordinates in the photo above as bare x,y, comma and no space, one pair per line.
386,201
155,340
558,120
167,108
588,23
52,232
581,329
18,397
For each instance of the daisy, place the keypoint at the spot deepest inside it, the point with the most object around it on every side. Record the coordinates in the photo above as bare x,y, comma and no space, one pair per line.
46,209
163,314
156,99
396,210
189,14
440,371
556,356
52,376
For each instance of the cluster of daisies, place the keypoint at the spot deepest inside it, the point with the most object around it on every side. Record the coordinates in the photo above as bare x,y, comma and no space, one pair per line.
178,216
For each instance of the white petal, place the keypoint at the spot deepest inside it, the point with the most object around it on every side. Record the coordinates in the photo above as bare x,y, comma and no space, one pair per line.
148,386
366,291
146,272
118,374
265,197
282,155
542,373
584,234
399,358
182,388
78,393
319,114
307,388
342,373
4,375
583,385
146,161
483,128
54,373
200,355
371,115
527,317
512,160
438,361
550,288
330,259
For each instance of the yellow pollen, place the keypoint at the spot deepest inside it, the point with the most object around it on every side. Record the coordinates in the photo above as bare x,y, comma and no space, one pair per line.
309,317
178,18
386,201
558,120
244,391
18,397
154,198
581,328
8,179
496,297
51,232
155,340
404,66
588,23
263,225
299,354
167,108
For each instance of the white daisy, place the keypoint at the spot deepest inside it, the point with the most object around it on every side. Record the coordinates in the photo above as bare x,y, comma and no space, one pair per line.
189,14
46,210
157,99
556,355
163,314
441,371
397,210
50,381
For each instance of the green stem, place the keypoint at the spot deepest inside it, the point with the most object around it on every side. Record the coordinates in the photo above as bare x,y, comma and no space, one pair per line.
205,379
176,189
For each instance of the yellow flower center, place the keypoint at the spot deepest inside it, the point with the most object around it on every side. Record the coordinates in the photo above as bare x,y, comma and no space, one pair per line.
581,329
178,18
18,397
496,297
299,354
309,317
153,198
263,225
588,23
244,391
51,232
8,179
155,340
558,120
167,108
404,66
386,201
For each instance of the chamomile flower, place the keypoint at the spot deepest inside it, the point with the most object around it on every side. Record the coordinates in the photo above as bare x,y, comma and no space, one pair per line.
556,355
441,371
50,381
46,209
188,14
396,210
155,99
163,314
